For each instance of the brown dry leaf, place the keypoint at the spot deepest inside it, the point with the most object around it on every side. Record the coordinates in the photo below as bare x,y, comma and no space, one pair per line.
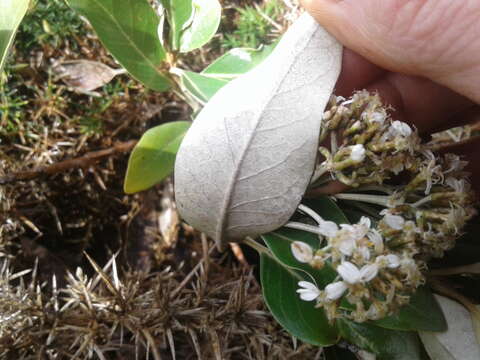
85,75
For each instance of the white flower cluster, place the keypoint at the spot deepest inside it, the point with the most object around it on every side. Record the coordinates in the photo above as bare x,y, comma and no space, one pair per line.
374,148
430,192
374,279
427,202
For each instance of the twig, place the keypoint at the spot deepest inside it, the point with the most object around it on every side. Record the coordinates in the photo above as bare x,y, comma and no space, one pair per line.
81,162
189,276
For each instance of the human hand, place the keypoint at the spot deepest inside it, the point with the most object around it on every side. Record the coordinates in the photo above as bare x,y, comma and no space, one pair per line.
421,56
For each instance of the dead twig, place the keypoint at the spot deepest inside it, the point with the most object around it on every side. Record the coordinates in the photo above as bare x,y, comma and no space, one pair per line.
81,162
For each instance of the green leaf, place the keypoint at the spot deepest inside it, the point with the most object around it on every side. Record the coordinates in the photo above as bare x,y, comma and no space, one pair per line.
327,209
153,158
422,313
299,317
11,15
206,18
237,62
386,344
201,87
179,15
279,243
128,29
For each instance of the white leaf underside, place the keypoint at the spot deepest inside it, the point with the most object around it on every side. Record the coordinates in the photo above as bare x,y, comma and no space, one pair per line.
459,341
244,165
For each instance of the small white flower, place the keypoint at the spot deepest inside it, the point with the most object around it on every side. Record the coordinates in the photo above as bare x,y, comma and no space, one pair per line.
396,222
328,228
368,272
357,152
335,290
400,128
347,246
302,251
349,272
308,291
364,252
378,117
376,239
391,261
365,221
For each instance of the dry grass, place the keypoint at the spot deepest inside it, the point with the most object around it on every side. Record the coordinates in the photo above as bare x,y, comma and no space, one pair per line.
159,290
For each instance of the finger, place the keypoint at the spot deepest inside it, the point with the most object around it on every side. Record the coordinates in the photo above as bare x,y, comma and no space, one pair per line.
437,39
357,73
419,101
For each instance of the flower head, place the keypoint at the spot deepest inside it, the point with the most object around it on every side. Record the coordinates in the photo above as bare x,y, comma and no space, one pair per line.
400,128
357,152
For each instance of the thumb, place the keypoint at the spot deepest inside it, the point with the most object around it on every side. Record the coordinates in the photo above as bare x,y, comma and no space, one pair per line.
437,39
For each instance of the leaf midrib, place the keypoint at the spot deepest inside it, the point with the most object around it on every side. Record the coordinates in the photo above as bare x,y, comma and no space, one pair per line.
219,233
130,41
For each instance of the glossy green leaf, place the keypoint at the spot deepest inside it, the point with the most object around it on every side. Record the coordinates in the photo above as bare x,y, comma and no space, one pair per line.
201,87
386,344
128,29
153,157
206,18
327,209
299,317
422,313
11,15
179,15
237,62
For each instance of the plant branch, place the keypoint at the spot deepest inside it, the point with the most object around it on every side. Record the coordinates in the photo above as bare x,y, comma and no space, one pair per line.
81,162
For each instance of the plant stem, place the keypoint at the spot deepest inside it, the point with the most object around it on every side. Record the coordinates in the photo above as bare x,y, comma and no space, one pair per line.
301,226
372,199
256,246
319,171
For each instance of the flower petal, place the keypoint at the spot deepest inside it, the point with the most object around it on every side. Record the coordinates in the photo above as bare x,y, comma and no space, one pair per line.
302,251
328,228
349,272
335,290
368,272
396,222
